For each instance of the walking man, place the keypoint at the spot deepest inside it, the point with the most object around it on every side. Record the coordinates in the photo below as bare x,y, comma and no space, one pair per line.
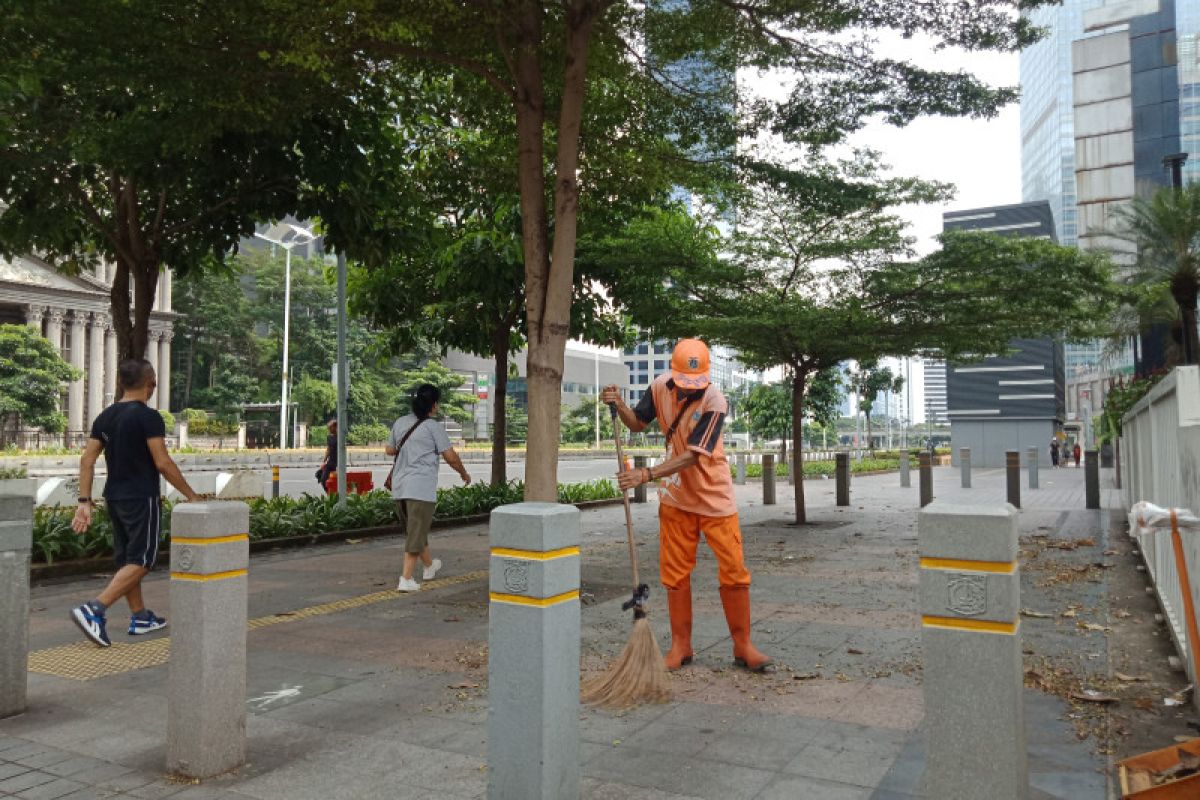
695,495
132,437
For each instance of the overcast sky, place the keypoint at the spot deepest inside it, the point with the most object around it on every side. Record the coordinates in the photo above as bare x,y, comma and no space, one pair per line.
982,158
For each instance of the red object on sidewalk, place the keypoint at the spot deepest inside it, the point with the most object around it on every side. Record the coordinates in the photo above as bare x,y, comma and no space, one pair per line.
356,482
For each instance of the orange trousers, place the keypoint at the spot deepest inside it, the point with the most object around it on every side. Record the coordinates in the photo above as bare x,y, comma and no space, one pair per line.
679,536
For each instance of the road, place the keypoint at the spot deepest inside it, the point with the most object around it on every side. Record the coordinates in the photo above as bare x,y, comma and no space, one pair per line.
296,481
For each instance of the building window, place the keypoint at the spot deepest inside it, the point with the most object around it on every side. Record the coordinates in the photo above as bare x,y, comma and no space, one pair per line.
643,365
660,366
643,349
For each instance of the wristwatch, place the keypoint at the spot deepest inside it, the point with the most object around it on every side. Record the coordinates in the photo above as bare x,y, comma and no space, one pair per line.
84,500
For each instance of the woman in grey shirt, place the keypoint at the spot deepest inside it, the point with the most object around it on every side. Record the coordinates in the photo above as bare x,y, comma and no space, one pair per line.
418,443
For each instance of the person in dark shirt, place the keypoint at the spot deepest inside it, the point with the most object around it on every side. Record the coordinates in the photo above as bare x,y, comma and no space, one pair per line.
329,464
132,437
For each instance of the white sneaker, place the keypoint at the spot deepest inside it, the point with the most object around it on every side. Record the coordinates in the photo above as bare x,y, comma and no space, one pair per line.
408,585
432,570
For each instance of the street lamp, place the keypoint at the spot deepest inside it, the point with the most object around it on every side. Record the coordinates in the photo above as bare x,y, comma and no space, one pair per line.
287,236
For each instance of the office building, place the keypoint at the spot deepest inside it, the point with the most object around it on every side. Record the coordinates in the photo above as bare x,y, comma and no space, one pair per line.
935,392
1016,400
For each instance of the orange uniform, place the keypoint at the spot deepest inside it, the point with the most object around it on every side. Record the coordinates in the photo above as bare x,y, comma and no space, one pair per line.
700,498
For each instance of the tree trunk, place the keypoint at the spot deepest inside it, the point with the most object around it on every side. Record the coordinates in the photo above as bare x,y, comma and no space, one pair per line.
1191,336
549,275
500,411
187,383
798,381
870,435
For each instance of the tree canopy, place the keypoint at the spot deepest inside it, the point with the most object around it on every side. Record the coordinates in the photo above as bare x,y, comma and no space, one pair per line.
32,378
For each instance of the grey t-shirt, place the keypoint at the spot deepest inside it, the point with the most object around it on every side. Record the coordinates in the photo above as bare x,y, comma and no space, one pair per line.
415,475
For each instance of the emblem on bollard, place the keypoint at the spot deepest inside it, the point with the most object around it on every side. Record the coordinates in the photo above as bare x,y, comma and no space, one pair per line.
187,559
516,577
966,595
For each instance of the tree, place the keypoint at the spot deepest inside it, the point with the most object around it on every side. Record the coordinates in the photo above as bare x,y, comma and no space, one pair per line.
579,423
556,61
868,381
32,377
1166,232
770,410
158,132
315,399
454,404
518,422
822,278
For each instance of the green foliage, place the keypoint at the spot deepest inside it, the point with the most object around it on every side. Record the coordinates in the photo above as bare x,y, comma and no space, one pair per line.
32,376
367,433
315,399
454,403
280,517
579,423
10,473
824,398
1121,399
168,419
1166,232
770,410
868,381
516,421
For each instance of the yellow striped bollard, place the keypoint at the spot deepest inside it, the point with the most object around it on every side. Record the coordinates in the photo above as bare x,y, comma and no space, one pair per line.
206,680
970,600
533,653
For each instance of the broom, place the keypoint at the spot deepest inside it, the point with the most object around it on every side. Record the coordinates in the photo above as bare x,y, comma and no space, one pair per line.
639,674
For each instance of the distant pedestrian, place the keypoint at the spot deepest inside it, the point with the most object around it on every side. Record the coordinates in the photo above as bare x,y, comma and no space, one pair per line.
419,442
1077,452
1054,452
132,437
329,464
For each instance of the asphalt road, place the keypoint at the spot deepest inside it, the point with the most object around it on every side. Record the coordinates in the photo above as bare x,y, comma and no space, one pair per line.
296,481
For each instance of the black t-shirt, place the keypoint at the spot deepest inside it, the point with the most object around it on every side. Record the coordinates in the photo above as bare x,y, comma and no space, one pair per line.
331,453
124,429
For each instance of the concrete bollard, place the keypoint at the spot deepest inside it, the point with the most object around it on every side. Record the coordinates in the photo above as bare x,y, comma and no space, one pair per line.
964,466
925,470
971,643
275,480
206,680
1012,476
740,474
905,481
639,494
768,466
1032,459
1091,478
842,474
533,656
16,541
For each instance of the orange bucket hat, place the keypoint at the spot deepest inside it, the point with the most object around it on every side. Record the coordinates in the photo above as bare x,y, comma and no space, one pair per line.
689,364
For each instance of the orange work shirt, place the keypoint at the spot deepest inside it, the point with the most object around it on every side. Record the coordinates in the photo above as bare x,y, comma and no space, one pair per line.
707,487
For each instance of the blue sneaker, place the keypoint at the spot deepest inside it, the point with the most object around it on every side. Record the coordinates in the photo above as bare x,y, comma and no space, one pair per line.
91,623
147,624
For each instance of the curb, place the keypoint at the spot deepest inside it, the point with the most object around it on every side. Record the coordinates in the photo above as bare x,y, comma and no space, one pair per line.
68,569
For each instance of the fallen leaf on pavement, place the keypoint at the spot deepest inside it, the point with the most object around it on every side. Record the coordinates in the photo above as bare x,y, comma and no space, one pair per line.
806,676
1028,612
854,651
463,685
452,619
1144,703
354,541
1090,626
1121,676
1121,613
1069,613
1092,696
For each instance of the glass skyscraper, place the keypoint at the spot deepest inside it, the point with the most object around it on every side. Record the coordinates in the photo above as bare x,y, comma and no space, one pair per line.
1047,117
1187,31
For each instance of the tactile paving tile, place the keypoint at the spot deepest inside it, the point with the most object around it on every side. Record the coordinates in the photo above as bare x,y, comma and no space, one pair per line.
82,661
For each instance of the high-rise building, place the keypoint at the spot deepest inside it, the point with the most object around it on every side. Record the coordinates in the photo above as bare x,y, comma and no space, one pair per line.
1016,400
935,392
1047,121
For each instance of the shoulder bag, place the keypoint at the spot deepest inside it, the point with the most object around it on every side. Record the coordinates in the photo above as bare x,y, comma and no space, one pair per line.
387,484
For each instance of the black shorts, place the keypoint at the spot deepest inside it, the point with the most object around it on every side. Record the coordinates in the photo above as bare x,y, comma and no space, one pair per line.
137,526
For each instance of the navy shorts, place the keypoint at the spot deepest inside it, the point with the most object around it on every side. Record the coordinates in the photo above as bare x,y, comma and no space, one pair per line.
137,526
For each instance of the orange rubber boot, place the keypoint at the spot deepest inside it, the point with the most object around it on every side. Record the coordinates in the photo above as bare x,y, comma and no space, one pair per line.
679,607
736,600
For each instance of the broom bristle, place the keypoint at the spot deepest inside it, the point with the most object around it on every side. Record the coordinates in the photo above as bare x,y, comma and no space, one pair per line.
637,676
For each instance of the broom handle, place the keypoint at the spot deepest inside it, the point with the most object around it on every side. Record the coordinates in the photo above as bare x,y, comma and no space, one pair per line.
625,497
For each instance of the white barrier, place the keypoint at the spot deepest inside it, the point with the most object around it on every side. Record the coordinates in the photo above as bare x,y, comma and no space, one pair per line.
1160,444
1152,528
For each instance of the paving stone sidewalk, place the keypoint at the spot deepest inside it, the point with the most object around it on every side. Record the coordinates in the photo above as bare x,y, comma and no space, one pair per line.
389,698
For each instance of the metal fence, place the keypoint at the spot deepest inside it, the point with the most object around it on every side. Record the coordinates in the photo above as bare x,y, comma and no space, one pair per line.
1160,464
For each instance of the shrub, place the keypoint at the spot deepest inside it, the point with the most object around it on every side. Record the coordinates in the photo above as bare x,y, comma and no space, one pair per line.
168,419
368,433
9,473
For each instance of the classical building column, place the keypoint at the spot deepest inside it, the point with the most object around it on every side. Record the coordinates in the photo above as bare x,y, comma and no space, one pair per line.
75,421
164,370
110,362
34,316
95,369
152,357
164,291
54,326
